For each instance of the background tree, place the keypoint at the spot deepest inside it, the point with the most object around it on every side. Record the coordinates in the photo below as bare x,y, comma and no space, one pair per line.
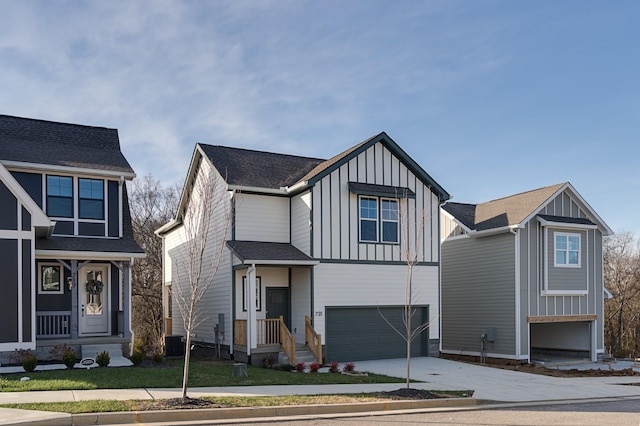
206,221
152,205
622,279
410,234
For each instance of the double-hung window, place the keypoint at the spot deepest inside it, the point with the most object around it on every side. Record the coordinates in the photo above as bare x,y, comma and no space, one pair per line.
378,227
369,219
389,215
91,199
60,196
567,250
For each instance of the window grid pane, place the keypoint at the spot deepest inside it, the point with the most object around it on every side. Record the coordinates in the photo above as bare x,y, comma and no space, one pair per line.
60,196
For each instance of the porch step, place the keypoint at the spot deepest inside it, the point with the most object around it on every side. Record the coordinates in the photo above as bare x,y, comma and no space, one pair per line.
116,358
303,354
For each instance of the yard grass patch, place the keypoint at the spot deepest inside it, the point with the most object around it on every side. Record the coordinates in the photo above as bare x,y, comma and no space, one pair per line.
169,375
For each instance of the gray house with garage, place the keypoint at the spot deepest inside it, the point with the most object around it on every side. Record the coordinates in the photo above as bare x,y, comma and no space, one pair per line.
315,259
66,242
522,277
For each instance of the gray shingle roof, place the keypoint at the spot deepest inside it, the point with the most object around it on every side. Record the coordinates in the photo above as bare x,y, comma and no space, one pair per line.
246,167
60,144
505,211
266,251
563,219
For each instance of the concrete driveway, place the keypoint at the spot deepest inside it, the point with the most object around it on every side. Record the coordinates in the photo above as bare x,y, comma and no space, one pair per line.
502,385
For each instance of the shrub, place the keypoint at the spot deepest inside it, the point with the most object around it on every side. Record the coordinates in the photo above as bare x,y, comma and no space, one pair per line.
29,362
268,361
103,359
333,367
349,367
69,357
138,353
300,366
65,354
157,357
314,367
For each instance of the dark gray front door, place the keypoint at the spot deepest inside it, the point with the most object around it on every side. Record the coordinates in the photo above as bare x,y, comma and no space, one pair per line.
278,303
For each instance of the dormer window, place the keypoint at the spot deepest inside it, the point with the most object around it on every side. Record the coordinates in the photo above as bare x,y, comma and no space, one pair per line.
60,196
91,199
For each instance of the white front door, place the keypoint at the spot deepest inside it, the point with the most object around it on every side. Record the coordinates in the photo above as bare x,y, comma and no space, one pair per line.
93,300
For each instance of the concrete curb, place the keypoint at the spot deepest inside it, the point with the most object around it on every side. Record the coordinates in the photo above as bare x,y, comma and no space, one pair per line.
213,414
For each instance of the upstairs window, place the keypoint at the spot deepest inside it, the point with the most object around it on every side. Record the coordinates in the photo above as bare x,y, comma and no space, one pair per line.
567,250
91,199
369,219
389,214
60,196
376,227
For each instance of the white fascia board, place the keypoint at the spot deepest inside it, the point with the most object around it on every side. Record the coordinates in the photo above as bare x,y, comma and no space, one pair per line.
241,189
553,224
607,294
281,262
298,186
493,231
16,165
86,255
169,226
38,216
564,292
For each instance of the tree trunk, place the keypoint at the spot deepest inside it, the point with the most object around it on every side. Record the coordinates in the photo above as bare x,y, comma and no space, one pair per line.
187,358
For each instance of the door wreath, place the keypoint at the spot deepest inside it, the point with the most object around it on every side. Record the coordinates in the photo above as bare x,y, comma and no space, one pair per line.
94,287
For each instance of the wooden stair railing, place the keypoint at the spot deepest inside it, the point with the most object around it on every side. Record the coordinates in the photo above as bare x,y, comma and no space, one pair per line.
288,342
313,339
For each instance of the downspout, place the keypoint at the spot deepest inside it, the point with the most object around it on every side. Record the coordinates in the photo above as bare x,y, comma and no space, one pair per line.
133,335
518,319
252,335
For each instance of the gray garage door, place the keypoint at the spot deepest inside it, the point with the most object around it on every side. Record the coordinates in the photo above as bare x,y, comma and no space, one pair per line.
359,333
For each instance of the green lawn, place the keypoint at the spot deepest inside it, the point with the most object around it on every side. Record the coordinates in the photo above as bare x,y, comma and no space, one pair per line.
169,375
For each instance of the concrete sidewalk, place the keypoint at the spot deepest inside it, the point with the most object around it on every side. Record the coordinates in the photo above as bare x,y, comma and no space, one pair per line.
436,374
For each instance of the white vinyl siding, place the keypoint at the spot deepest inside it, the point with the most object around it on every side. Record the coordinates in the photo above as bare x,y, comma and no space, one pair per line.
217,300
261,218
301,222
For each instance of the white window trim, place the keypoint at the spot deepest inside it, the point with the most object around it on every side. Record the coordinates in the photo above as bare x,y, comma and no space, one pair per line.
376,220
555,258
76,220
382,221
61,277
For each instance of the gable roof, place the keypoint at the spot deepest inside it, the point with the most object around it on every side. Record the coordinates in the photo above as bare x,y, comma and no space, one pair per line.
244,167
27,141
38,217
514,210
323,169
261,169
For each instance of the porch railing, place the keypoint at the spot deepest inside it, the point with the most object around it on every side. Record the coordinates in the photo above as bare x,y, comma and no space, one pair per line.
313,339
53,324
270,332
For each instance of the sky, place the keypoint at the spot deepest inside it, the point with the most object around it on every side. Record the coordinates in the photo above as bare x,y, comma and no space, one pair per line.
491,98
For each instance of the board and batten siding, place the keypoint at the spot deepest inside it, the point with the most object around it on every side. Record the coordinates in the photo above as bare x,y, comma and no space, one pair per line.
217,299
301,222
538,273
261,218
342,284
336,211
478,292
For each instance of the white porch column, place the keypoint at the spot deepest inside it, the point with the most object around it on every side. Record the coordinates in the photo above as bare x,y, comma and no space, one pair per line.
593,327
252,325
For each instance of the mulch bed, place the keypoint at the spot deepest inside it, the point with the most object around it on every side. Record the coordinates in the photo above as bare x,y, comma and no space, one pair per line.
410,393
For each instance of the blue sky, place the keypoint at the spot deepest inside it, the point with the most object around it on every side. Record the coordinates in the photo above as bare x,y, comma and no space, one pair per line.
492,98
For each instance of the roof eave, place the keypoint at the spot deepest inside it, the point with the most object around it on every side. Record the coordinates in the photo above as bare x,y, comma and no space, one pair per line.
14,165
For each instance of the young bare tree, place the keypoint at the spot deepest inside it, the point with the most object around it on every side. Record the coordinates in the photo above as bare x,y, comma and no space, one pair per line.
411,238
206,225
622,279
152,205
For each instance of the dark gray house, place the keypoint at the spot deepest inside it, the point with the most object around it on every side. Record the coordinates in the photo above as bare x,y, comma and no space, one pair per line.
66,242
522,276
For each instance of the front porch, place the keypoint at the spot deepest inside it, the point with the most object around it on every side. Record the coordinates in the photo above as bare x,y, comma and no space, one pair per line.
275,339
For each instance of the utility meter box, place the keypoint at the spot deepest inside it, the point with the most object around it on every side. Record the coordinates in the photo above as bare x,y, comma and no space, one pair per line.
491,334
